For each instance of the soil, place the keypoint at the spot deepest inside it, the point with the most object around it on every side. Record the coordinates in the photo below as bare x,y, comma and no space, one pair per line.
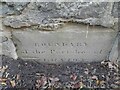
34,75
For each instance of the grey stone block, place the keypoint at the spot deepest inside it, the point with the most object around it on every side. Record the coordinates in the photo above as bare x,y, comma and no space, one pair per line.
114,52
7,46
71,43
42,13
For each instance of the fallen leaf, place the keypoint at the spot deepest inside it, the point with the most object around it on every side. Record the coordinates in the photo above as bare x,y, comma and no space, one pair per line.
3,83
13,83
73,77
86,71
3,68
95,77
41,82
7,74
81,85
17,76
117,82
3,79
54,79
98,82
102,82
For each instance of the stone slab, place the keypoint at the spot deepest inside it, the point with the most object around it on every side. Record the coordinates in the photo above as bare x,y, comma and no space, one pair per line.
114,55
73,42
45,13
6,45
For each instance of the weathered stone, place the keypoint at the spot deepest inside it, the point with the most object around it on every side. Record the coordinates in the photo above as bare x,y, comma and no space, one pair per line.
12,8
116,10
28,19
42,13
114,52
119,47
6,45
51,16
70,43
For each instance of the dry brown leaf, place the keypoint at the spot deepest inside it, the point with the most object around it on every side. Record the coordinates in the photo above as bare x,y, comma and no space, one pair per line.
3,79
13,83
98,82
3,83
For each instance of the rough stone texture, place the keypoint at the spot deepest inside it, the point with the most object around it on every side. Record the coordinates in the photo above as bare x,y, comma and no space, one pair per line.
116,10
71,43
119,46
32,23
114,54
52,16
44,13
12,8
6,45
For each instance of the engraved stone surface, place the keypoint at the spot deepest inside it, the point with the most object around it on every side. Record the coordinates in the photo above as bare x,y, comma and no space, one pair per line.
70,43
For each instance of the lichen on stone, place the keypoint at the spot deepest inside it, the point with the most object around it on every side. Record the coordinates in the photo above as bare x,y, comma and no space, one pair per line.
12,8
45,13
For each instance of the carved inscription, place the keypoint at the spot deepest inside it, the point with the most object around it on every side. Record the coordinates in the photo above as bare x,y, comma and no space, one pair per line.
64,46
37,48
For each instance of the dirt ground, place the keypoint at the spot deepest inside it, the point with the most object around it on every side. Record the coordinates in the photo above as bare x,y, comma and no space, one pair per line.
39,76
